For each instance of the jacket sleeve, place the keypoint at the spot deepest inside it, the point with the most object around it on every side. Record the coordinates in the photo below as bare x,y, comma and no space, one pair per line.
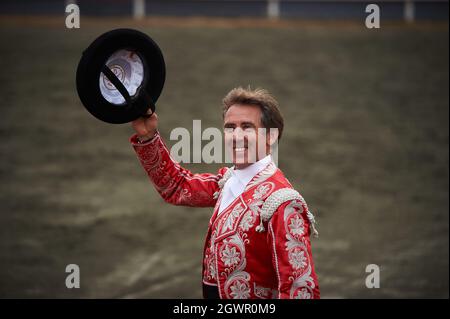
175,184
289,237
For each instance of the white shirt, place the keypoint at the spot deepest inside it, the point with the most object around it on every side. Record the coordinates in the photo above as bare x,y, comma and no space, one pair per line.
239,179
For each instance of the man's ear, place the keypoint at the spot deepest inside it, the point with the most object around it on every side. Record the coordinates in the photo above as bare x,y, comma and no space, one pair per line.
272,136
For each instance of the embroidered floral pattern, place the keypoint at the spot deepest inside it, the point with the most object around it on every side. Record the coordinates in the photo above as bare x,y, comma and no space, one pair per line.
247,221
302,280
296,226
297,259
303,294
212,269
229,223
230,256
240,290
260,191
210,265
237,281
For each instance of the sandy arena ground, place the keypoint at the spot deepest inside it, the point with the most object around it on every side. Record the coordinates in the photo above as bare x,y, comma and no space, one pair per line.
366,143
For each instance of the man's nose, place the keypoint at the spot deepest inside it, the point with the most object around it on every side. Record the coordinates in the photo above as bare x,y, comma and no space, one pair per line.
238,134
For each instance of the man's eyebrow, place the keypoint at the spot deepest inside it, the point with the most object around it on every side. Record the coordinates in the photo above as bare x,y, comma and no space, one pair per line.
248,123
241,124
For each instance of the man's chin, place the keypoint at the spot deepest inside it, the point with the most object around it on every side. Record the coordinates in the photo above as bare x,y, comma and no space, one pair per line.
241,159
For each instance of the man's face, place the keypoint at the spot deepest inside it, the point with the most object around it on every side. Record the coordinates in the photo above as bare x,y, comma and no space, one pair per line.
244,134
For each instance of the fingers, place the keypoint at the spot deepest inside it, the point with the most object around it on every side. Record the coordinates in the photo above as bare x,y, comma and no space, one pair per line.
153,117
148,114
152,122
139,126
145,125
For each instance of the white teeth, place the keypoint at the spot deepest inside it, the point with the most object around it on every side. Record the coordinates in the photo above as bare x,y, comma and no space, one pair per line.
240,149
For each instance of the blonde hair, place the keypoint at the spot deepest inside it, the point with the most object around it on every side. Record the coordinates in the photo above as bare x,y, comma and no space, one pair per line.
270,113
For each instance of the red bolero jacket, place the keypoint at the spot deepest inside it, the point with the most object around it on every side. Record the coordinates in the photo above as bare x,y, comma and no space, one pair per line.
257,247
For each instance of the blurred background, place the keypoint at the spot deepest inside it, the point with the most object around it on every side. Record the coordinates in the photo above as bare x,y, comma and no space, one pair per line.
365,142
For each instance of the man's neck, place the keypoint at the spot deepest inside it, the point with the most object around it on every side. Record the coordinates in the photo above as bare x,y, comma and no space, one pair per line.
245,165
242,166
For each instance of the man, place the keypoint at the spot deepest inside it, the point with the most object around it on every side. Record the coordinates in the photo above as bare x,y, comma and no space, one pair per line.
258,240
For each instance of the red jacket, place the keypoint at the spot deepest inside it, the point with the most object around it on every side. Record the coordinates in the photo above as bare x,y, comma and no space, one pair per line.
258,246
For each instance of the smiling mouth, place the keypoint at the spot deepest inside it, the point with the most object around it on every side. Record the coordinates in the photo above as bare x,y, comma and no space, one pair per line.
240,149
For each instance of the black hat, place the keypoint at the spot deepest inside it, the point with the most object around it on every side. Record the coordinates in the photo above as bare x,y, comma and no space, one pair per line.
120,76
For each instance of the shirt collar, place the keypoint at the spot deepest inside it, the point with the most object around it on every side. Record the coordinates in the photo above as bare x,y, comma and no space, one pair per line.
246,174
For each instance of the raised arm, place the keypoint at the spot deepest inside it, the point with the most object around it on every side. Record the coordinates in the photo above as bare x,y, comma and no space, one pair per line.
175,184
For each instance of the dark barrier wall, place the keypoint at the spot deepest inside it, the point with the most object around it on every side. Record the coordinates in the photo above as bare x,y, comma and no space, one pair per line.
424,10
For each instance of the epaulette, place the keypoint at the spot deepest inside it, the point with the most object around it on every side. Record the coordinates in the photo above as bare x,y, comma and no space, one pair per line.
278,198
